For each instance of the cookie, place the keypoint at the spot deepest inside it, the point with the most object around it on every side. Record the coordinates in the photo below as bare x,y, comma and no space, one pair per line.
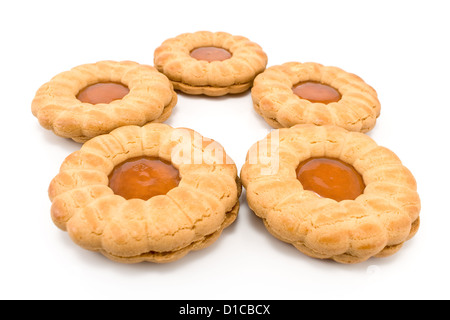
151,193
213,64
304,182
310,93
93,99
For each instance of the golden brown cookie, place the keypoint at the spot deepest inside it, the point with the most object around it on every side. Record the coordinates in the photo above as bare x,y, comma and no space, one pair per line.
214,64
302,93
199,201
374,223
93,99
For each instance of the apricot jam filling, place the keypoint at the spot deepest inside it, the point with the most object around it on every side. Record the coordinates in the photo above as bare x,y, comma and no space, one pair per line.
210,54
143,178
316,92
103,92
330,178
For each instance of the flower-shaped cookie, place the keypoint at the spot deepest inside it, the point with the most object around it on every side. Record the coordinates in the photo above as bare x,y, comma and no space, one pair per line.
214,64
375,223
302,93
166,226
93,99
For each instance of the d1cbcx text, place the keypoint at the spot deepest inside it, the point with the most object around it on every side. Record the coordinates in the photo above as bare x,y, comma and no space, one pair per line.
244,309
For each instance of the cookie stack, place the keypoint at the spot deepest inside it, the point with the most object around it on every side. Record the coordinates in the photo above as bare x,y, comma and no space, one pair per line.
139,190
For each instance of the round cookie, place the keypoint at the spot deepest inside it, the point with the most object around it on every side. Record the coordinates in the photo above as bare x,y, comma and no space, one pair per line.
352,229
93,99
302,93
213,64
198,193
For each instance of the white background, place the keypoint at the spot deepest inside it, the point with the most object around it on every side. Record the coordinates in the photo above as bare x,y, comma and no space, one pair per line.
398,47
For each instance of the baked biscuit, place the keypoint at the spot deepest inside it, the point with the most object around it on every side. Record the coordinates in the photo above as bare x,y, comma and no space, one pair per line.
375,223
213,64
144,95
302,93
164,227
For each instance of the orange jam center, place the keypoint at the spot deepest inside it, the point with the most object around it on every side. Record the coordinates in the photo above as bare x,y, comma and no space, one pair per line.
330,178
143,178
210,54
103,92
316,92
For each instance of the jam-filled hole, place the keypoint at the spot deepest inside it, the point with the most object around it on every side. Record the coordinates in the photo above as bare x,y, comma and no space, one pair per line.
210,54
143,178
103,92
330,178
316,92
